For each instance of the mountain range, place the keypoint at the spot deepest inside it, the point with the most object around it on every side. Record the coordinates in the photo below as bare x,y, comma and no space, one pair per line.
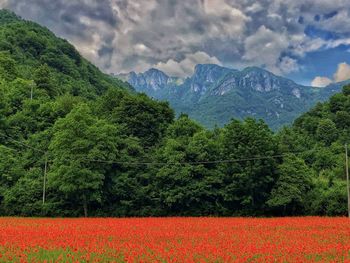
214,94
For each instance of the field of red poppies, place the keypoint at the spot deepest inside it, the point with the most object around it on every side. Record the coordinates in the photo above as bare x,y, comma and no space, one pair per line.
310,239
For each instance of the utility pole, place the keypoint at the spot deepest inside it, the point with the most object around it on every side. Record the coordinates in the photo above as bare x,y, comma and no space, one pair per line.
31,91
44,181
347,176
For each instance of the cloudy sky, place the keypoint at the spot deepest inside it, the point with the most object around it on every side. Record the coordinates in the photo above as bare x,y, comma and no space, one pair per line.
306,40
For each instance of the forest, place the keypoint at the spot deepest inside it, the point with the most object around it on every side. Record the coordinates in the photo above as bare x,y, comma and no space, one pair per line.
75,141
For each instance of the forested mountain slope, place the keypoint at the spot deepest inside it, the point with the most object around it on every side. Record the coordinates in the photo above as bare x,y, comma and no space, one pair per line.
214,95
321,135
44,82
32,46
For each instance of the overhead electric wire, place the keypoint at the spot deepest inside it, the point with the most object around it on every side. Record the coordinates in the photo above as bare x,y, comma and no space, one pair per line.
253,158
196,162
9,148
22,143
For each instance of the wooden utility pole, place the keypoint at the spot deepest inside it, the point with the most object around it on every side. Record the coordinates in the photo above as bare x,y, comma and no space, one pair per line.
347,176
44,180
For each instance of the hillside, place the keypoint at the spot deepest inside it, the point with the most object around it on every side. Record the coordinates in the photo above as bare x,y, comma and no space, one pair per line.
48,91
214,95
31,46
44,77
320,135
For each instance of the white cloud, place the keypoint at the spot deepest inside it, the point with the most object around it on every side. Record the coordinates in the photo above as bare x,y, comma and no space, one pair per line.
338,23
142,49
254,8
3,3
321,82
342,73
337,43
186,66
288,65
264,48
223,20
126,35
301,44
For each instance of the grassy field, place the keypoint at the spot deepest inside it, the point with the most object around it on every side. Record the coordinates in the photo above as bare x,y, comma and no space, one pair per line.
309,239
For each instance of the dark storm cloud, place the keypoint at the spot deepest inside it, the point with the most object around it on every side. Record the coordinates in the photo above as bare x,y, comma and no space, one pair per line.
174,35
65,17
90,25
64,9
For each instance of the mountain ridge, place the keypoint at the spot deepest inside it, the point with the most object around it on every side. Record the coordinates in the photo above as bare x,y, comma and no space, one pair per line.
214,94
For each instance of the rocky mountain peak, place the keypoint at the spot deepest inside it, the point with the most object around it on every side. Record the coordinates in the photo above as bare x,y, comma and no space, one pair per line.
152,79
215,94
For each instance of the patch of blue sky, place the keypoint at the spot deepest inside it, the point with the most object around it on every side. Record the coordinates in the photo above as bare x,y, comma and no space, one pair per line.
320,63
330,15
314,32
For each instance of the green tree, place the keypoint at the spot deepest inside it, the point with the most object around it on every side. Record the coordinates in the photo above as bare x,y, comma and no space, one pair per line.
342,119
290,191
25,197
248,182
8,70
346,90
184,127
185,186
337,102
143,118
327,198
43,80
3,108
78,140
127,185
293,140
10,168
326,131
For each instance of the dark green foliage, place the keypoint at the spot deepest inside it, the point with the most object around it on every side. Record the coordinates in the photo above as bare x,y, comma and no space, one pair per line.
249,181
8,69
79,138
326,131
143,118
43,79
25,197
185,188
342,119
289,193
327,198
346,90
7,17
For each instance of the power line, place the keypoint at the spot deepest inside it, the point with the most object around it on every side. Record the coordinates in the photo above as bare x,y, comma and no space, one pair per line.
36,149
194,163
254,158
21,143
9,148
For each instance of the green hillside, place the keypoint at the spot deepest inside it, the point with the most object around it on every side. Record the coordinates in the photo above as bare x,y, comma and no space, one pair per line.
32,46
320,135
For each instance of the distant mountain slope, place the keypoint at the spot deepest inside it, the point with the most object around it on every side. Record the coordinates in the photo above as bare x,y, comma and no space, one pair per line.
31,45
213,94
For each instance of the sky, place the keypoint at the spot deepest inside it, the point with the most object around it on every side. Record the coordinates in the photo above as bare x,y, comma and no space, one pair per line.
306,40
